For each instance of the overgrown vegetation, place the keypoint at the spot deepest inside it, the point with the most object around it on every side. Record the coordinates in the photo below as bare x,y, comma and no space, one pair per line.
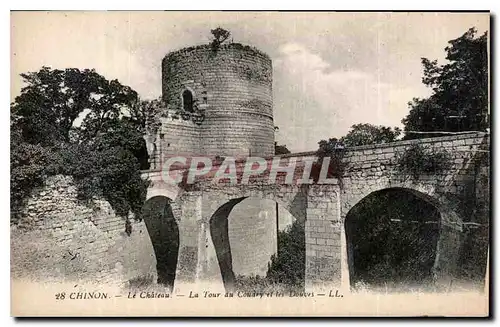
28,164
394,237
219,36
79,124
288,265
286,270
358,135
279,149
416,160
335,151
367,134
459,99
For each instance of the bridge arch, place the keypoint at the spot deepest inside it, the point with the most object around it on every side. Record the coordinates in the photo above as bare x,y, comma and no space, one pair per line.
219,224
442,228
293,198
163,230
169,191
447,204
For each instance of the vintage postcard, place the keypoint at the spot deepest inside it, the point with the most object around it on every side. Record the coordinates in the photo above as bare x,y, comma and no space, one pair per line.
250,164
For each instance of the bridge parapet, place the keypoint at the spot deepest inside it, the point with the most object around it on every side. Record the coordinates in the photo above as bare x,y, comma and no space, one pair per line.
375,167
324,207
361,158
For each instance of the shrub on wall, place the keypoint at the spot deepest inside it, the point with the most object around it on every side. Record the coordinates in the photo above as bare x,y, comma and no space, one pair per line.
28,164
219,36
109,172
337,166
416,160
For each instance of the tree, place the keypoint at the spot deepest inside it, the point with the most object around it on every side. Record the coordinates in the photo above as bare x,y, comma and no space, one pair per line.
219,36
280,149
107,170
104,154
459,99
146,115
366,134
52,100
359,134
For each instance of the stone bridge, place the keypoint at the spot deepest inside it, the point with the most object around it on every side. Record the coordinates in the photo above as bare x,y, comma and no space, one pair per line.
199,213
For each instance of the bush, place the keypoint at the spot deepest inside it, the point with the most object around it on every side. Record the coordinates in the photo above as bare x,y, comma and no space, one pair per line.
288,265
286,271
416,161
28,164
337,166
107,166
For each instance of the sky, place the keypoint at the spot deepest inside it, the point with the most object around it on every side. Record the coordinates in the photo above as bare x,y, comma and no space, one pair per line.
330,70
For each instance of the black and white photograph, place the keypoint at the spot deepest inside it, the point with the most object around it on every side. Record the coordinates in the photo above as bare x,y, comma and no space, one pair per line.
239,163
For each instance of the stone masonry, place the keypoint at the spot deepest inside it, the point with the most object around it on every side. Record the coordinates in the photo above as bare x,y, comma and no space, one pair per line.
217,103
231,113
62,238
323,208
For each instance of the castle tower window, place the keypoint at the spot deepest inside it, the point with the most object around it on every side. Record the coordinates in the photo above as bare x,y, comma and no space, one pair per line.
187,100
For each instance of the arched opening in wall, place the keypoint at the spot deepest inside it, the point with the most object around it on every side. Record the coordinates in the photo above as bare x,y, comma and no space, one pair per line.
187,100
259,246
392,238
164,233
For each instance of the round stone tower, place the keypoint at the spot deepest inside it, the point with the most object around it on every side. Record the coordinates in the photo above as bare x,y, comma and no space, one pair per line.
228,90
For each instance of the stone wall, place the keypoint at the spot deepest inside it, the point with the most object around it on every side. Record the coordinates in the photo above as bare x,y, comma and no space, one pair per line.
455,192
371,168
59,237
253,234
323,236
180,137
